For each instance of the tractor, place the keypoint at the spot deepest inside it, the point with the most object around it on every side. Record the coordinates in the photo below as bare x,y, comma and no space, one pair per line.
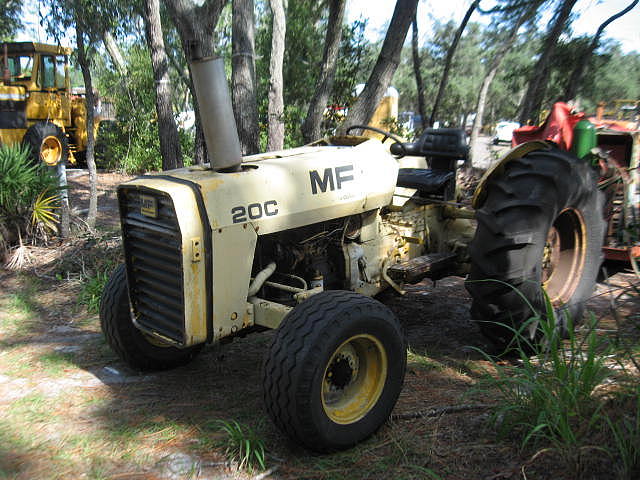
610,141
37,105
300,240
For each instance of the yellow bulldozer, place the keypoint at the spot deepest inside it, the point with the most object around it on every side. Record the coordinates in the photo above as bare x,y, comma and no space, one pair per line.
37,104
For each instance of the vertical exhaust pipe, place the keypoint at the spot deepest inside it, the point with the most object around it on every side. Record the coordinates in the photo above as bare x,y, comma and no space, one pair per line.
216,114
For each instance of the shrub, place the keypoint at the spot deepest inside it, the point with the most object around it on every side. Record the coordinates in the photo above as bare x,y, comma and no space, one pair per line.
28,196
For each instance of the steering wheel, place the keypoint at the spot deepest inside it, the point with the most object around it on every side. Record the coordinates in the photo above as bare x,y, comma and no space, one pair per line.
397,140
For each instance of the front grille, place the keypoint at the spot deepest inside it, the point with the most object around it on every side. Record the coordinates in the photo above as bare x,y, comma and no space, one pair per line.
153,250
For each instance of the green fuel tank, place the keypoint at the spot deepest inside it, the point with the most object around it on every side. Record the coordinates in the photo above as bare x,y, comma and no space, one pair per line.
584,139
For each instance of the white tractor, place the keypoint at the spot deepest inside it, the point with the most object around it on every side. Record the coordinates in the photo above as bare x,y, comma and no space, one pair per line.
300,240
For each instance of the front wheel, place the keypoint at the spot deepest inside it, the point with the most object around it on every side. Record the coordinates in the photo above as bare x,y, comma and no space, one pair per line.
334,370
540,227
137,349
48,143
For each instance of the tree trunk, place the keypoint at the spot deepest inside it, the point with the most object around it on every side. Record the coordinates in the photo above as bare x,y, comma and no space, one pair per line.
534,97
114,53
243,76
447,63
167,129
362,110
417,67
507,44
196,25
275,110
311,126
89,100
576,76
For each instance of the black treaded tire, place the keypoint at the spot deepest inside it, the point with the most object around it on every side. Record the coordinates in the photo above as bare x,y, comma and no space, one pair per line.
40,132
309,366
126,340
547,196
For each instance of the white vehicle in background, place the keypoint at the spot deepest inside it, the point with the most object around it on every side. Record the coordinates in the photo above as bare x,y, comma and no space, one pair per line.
504,132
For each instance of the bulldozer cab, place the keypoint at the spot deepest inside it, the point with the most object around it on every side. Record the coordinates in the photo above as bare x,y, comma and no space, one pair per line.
42,71
36,66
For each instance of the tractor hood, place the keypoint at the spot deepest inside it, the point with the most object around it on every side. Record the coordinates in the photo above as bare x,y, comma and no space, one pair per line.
287,189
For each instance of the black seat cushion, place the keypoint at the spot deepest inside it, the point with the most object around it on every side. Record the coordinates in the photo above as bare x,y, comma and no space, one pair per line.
424,180
447,143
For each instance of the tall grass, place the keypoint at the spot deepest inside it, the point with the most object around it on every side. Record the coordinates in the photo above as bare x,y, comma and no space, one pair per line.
550,400
243,445
625,435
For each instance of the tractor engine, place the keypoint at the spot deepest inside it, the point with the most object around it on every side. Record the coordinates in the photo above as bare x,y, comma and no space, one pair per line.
312,255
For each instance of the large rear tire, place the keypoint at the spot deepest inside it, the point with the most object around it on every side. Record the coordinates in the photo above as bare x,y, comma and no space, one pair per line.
48,143
540,225
334,370
137,349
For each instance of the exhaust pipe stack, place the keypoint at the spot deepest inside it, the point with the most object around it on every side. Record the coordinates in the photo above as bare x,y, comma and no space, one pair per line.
216,114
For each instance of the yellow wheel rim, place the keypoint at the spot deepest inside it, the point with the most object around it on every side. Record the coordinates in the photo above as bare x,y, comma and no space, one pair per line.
564,256
354,379
51,150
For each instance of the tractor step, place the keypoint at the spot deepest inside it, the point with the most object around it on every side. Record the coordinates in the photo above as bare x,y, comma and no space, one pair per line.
417,268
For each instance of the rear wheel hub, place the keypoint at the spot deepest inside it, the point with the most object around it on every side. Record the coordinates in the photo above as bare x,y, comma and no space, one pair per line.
564,256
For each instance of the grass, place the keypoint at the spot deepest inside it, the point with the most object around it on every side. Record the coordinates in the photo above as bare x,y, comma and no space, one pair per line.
18,310
31,408
112,430
550,401
625,432
243,445
56,363
92,287
12,447
423,362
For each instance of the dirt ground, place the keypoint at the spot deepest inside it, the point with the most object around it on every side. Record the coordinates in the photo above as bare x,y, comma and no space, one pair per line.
72,410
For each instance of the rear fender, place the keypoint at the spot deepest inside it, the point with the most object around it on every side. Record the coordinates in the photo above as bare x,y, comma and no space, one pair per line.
498,168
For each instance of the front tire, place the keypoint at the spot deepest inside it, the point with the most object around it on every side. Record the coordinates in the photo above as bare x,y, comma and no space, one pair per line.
334,370
137,350
540,226
48,143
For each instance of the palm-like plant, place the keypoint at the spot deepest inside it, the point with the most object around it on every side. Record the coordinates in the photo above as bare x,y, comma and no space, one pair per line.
29,197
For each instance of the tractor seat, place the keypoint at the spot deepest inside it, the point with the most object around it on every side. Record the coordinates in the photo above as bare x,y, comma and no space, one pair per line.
427,182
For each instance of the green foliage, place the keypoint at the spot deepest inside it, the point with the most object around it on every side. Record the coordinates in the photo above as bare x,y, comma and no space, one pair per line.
28,195
550,400
10,18
464,80
305,34
92,288
611,74
243,445
355,61
43,212
511,80
131,144
625,432
392,125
